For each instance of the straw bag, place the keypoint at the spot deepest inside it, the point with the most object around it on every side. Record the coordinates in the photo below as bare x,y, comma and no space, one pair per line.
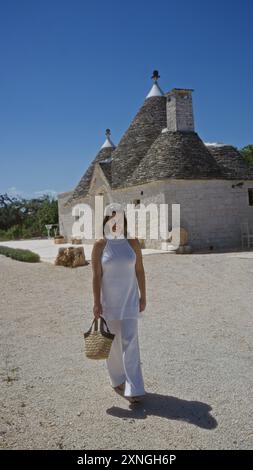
98,342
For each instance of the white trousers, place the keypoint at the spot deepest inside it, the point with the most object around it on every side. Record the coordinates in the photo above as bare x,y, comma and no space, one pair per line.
123,362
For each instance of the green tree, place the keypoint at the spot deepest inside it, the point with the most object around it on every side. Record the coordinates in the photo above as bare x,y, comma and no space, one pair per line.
47,214
11,212
26,218
247,153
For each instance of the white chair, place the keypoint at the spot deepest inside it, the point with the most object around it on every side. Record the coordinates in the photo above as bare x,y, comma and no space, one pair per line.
246,235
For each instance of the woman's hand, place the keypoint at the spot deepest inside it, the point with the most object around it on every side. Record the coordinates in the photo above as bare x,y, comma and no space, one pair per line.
97,310
142,304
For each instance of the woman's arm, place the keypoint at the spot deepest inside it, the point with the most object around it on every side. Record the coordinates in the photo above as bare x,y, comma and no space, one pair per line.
140,273
96,277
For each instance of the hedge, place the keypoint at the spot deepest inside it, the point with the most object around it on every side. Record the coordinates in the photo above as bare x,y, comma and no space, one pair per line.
20,254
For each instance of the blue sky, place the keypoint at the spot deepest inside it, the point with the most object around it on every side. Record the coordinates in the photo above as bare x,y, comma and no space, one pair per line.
71,68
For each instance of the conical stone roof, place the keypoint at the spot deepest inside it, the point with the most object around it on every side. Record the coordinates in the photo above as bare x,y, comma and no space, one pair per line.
176,155
140,135
103,157
231,162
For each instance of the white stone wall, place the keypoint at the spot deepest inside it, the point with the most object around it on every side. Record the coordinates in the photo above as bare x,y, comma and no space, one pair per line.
98,185
152,193
65,217
211,210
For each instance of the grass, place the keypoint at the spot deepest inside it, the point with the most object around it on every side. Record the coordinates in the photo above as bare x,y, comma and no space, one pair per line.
20,254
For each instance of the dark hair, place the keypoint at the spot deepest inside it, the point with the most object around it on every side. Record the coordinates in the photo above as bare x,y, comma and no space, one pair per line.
107,217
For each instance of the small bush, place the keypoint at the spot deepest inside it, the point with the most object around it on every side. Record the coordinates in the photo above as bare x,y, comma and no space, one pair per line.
4,235
19,254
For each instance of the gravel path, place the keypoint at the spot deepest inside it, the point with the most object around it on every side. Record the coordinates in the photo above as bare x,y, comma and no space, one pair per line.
196,349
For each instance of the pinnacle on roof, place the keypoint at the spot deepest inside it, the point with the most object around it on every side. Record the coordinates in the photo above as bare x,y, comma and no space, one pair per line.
155,90
103,157
107,143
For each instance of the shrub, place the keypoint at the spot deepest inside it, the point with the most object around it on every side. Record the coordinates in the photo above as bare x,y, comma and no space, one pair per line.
4,236
19,254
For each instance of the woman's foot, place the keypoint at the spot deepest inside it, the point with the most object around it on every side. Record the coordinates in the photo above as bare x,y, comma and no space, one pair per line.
120,389
136,399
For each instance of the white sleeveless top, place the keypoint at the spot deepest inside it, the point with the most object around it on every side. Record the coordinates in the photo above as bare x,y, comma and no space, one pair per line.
119,285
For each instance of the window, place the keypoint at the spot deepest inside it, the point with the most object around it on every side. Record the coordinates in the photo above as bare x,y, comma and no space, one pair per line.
250,194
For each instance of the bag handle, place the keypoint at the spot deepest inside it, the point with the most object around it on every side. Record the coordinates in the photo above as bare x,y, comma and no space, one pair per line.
102,322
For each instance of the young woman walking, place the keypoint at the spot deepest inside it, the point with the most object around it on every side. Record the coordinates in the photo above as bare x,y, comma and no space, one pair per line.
118,275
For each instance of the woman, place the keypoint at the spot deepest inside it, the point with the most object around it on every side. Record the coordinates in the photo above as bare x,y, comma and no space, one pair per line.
118,272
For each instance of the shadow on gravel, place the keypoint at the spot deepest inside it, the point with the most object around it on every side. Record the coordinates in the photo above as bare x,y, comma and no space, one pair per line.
193,412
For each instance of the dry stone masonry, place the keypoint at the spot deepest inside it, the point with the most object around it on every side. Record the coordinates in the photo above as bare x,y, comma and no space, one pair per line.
162,159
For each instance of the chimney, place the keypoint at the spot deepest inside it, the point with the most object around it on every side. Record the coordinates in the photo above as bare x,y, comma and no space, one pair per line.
179,110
